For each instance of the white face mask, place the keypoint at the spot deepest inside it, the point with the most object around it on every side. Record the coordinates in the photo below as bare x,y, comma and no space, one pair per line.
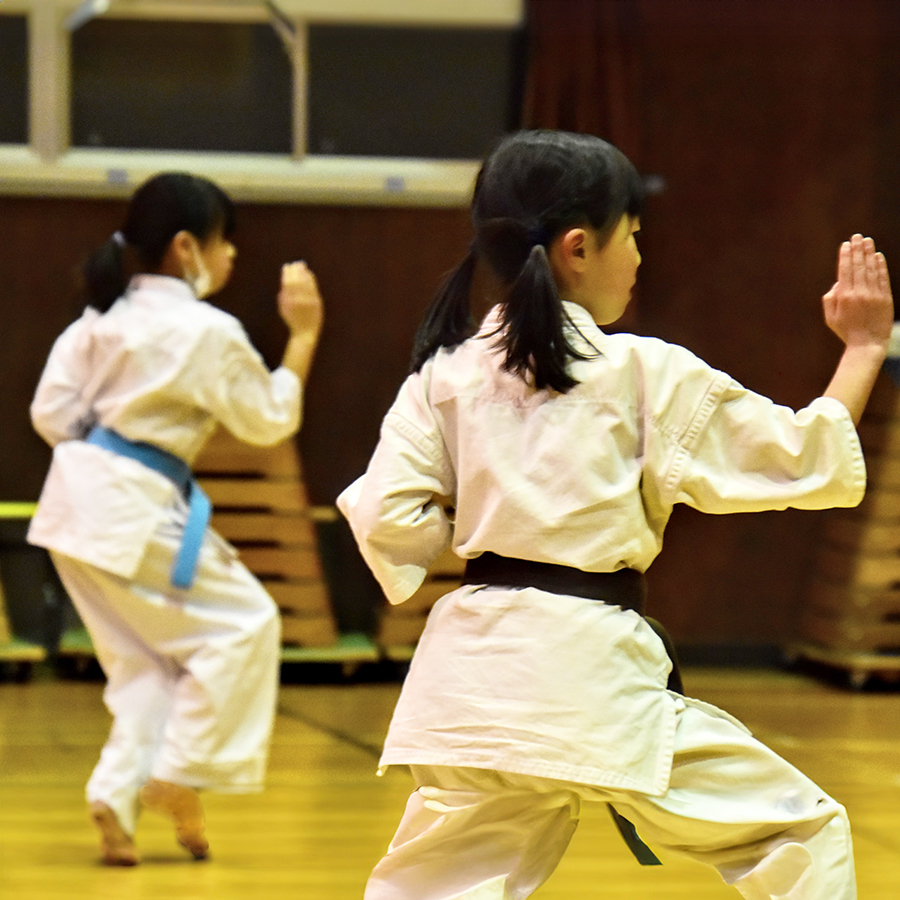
201,280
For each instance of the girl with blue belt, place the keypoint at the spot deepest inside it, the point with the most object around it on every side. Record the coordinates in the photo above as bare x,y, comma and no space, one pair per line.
188,638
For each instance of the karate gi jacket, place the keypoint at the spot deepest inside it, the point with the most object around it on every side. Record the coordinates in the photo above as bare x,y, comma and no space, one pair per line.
543,684
162,367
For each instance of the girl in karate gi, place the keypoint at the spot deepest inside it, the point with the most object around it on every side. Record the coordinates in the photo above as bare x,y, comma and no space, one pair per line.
188,639
538,685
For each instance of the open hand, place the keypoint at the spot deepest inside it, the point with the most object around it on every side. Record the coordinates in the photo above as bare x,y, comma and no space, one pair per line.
859,308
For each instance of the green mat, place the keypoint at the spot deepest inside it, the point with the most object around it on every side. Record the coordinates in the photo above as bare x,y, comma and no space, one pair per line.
17,510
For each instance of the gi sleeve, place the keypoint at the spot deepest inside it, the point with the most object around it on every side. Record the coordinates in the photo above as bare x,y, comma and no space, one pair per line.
256,405
744,453
60,409
398,524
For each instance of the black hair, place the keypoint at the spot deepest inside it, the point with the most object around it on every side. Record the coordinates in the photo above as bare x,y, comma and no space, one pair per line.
158,210
531,188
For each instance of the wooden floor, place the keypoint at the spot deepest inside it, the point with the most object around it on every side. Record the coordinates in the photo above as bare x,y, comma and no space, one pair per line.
326,818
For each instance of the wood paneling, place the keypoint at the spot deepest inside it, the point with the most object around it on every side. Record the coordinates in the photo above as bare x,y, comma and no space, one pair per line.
377,269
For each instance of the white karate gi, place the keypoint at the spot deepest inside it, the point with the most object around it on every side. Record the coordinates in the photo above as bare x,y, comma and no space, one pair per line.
192,673
515,693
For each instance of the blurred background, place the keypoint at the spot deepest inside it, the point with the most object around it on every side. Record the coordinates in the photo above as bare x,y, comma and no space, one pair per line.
349,133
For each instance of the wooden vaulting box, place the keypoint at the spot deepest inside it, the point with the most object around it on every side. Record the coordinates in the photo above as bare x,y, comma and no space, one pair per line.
851,619
260,505
401,626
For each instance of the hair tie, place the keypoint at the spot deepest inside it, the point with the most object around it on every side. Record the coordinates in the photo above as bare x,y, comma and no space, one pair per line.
538,236
119,239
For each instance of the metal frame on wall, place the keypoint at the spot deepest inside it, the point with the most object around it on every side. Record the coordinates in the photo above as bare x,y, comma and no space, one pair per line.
49,165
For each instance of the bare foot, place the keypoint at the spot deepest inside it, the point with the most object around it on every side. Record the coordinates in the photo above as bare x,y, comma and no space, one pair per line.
182,805
117,847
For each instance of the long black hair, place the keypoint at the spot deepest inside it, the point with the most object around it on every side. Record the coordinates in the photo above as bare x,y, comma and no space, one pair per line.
531,188
159,209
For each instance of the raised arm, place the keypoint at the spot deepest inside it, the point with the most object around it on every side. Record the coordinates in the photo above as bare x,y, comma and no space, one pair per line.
300,306
859,309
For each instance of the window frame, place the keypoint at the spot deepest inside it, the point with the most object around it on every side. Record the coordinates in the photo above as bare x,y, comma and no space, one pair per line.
50,165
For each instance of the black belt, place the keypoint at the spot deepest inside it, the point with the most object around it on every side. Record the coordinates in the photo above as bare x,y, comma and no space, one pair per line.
626,588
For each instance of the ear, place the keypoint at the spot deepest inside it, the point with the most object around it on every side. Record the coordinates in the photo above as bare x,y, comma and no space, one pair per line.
569,249
179,255
182,246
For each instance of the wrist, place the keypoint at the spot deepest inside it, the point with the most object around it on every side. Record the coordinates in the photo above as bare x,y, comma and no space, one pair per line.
868,352
306,332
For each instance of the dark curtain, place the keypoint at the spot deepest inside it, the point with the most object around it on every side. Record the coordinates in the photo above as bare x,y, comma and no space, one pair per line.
772,128
582,72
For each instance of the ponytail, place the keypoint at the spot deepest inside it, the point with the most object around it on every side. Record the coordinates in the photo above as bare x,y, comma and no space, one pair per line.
104,274
448,320
533,332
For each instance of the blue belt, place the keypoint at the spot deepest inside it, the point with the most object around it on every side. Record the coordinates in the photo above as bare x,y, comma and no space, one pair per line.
184,568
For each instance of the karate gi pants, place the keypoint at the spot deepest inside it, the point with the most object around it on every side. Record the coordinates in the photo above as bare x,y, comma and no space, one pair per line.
192,675
478,834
